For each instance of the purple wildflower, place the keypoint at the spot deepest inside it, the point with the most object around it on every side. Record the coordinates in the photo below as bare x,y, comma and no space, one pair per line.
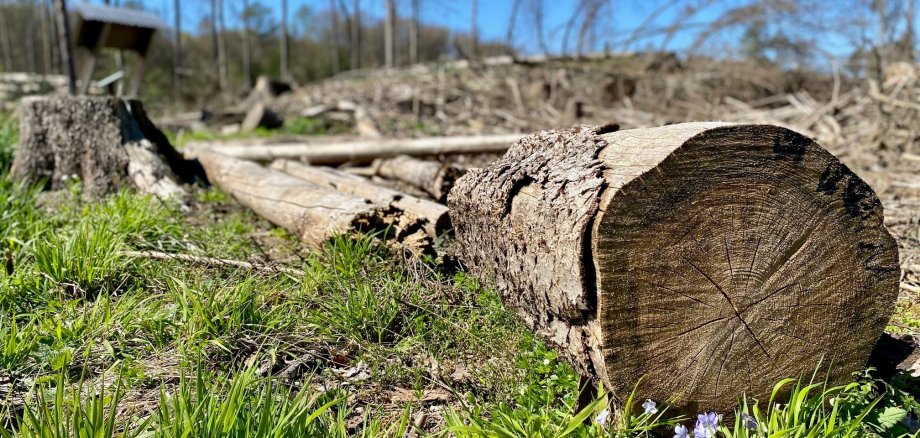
650,407
680,431
750,423
706,425
602,417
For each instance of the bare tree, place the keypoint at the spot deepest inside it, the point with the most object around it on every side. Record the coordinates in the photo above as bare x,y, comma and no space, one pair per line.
215,45
284,41
247,44
389,35
47,60
414,33
474,32
356,35
64,40
5,43
177,48
334,16
512,23
536,11
222,47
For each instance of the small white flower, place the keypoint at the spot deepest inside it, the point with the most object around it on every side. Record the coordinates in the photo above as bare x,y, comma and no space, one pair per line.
545,361
602,417
650,407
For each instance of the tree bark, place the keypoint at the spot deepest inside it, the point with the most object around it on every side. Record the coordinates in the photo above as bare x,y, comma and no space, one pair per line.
710,260
432,177
313,213
324,151
247,46
106,143
434,215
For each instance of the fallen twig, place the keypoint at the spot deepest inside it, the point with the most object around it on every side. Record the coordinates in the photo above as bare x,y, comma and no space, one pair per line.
212,261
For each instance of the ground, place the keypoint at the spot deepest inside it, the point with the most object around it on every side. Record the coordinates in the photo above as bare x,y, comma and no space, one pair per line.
353,340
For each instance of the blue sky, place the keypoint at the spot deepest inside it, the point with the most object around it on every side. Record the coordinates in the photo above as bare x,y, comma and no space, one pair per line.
493,17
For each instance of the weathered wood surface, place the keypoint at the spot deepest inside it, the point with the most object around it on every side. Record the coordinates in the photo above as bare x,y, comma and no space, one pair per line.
338,152
712,259
312,212
434,215
105,142
432,177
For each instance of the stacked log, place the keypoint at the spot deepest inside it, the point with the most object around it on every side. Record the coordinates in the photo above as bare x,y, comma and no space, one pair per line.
709,260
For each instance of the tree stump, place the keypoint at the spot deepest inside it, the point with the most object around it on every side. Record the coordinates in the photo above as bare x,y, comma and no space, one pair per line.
710,260
105,142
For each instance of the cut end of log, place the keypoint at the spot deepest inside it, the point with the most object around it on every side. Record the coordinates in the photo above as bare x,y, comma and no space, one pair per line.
709,260
747,256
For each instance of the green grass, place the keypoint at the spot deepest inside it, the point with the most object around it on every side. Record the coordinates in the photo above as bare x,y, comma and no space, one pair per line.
97,342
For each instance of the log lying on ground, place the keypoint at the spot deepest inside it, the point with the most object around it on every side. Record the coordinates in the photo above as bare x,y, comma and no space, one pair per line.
432,177
339,152
313,213
434,215
712,259
105,142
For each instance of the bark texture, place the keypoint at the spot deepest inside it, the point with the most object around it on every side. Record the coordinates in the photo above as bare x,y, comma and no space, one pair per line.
712,259
106,143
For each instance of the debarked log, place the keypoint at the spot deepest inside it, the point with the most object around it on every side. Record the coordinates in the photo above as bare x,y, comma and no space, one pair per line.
311,212
708,260
434,215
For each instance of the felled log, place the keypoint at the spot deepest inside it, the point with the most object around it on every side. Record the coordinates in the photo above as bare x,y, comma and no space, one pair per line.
261,116
710,260
338,152
105,142
311,212
432,177
434,215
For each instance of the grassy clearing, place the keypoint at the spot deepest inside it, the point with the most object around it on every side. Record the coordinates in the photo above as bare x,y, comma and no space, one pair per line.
95,342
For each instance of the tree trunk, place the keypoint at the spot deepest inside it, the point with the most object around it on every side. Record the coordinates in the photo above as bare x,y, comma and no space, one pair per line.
285,74
177,50
47,63
107,143
247,47
222,47
389,35
433,215
313,213
414,34
356,35
474,29
326,151
64,42
710,260
334,16
215,46
5,44
432,177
